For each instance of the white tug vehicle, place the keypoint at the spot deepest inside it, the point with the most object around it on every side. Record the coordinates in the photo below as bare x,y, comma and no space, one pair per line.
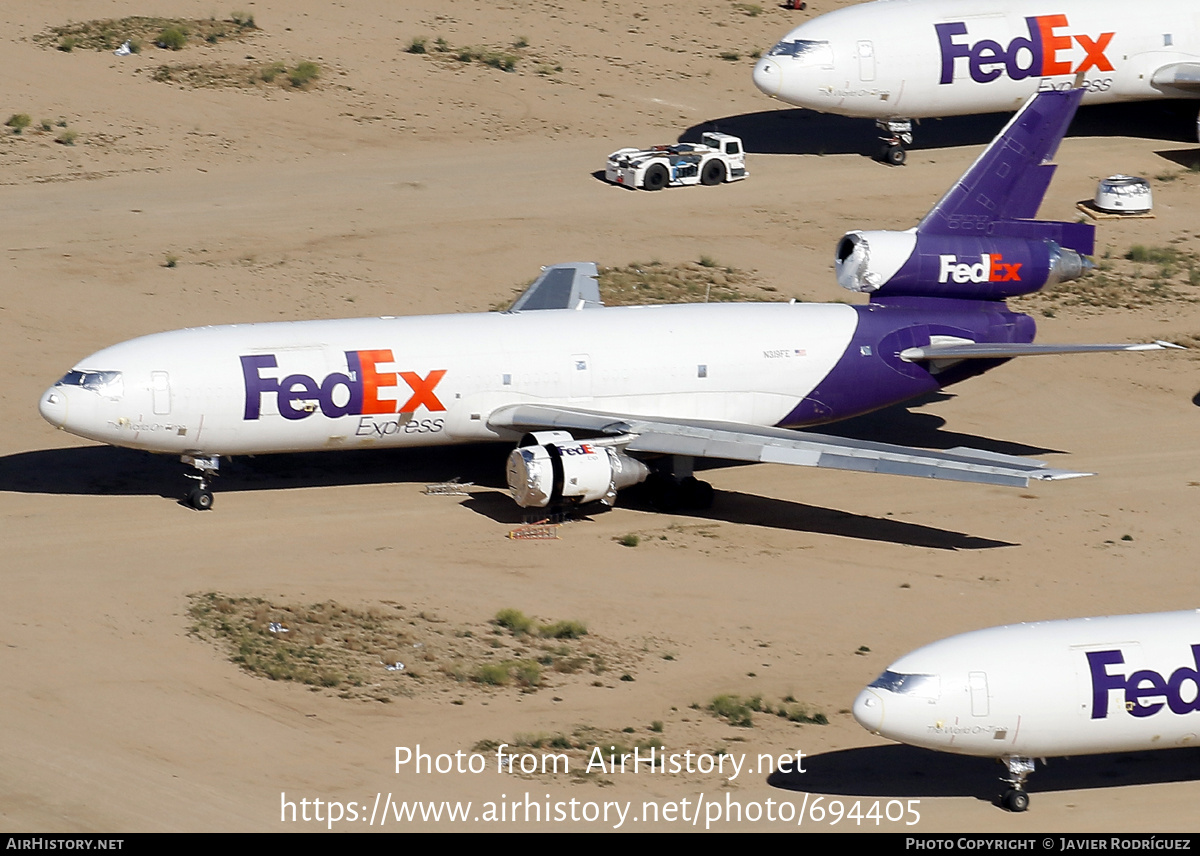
717,159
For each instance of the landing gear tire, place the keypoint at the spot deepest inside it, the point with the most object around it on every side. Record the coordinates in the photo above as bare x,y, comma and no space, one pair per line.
656,177
694,493
207,467
714,173
894,155
665,493
200,499
1015,801
668,493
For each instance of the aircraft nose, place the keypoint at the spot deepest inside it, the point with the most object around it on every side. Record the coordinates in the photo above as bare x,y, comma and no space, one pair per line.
53,407
868,710
768,76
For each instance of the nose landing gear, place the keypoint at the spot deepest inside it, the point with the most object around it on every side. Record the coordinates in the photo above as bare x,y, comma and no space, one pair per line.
898,134
201,496
1016,799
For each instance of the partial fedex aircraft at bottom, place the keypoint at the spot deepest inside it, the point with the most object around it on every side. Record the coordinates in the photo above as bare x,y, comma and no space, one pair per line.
598,399
1081,686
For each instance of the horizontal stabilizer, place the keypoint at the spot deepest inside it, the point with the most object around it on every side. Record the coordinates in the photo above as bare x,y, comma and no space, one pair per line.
782,446
1080,237
1004,350
566,286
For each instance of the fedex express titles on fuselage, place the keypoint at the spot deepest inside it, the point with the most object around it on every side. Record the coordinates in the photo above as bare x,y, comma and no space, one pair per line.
922,58
355,392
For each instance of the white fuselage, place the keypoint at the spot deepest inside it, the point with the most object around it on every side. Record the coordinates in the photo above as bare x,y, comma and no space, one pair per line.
894,59
1072,687
430,380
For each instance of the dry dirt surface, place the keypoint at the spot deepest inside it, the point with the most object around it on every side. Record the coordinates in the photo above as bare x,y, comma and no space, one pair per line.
393,182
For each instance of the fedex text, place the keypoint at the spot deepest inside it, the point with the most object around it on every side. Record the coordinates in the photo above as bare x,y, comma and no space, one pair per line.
1146,692
1048,51
355,392
990,268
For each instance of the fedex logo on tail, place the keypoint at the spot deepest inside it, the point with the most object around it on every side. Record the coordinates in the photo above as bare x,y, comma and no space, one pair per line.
991,268
355,392
1145,692
1047,52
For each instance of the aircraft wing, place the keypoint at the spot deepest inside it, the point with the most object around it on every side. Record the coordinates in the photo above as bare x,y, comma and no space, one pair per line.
567,286
1004,350
1181,75
781,446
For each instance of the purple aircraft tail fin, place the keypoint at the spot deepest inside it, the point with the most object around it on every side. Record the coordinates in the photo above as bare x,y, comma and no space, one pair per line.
980,242
1008,181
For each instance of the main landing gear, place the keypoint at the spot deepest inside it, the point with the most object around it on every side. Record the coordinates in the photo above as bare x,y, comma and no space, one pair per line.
1016,799
898,135
201,496
677,488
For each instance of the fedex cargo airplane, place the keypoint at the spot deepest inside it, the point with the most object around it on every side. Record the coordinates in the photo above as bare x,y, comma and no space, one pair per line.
598,398
1082,686
899,60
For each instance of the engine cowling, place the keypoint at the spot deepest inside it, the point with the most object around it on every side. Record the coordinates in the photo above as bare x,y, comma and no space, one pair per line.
552,467
981,268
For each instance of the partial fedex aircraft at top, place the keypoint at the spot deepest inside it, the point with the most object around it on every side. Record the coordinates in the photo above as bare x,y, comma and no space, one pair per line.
596,397
1082,686
899,60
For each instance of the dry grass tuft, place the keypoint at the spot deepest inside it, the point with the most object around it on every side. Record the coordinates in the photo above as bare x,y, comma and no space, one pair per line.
386,651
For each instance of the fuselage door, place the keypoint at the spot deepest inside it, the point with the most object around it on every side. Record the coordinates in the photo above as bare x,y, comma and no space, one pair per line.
977,683
866,60
579,383
160,389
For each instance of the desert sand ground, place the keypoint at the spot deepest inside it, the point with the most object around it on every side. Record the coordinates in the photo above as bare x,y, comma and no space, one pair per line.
407,184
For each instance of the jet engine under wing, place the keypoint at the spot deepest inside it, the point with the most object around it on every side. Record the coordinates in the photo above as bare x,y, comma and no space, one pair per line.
781,446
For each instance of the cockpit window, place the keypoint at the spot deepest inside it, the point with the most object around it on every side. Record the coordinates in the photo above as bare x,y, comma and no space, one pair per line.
105,383
921,686
807,51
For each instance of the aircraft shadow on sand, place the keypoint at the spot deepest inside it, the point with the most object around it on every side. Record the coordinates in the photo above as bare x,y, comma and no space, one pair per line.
904,424
752,510
112,471
906,772
793,131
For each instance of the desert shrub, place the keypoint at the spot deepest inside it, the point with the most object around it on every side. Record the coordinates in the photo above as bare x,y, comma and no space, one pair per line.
269,72
304,74
514,620
735,709
564,630
172,38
